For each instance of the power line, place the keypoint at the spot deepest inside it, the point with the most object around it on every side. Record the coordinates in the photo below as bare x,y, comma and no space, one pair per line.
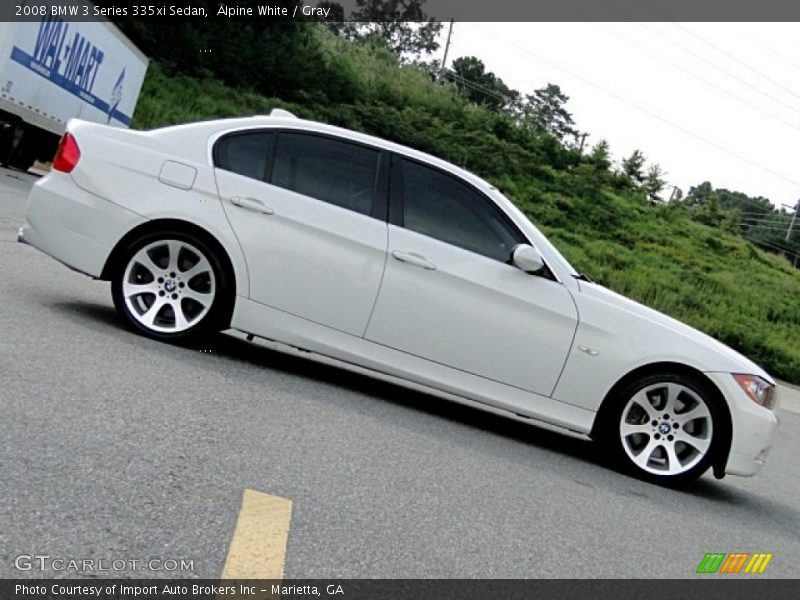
764,46
641,109
777,227
761,212
735,59
704,81
773,246
769,210
720,50
764,219
769,217
770,228
777,244
767,221
475,86
771,231
635,19
750,226
714,65
774,216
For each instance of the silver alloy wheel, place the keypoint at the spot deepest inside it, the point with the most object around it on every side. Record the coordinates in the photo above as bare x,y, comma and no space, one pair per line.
168,286
666,428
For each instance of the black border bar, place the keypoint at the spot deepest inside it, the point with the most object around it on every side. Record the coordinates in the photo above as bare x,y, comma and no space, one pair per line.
708,587
439,10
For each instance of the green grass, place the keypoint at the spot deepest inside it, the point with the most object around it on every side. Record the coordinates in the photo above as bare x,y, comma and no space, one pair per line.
655,254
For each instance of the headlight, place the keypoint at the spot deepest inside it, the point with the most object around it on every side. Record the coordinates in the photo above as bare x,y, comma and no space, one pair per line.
758,390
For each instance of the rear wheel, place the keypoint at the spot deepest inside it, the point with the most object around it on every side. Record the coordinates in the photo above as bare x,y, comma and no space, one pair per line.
666,428
171,286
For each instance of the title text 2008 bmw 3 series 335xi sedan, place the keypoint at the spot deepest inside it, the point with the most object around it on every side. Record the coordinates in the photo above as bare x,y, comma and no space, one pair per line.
375,255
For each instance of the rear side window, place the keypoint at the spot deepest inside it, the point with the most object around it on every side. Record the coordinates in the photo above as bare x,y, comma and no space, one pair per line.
331,170
244,153
443,207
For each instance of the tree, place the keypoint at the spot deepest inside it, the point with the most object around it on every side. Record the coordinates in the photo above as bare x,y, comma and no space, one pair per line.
400,25
289,60
706,208
709,212
544,111
653,183
754,218
699,195
633,167
600,156
752,205
335,21
478,85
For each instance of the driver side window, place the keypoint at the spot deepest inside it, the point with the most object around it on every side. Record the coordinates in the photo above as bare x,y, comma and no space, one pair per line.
442,207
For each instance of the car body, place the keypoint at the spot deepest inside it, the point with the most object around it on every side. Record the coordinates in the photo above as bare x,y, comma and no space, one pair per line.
392,261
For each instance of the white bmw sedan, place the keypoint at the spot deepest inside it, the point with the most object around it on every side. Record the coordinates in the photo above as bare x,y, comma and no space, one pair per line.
392,261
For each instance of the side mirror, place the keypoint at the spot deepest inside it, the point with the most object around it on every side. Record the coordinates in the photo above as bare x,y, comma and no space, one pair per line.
527,258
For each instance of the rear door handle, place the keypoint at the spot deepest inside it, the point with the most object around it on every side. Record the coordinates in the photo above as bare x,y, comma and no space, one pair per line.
415,259
252,204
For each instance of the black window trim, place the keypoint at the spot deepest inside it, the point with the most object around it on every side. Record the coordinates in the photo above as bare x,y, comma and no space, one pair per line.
380,192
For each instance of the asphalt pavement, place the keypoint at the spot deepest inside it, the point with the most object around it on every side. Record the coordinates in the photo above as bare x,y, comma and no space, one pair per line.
117,447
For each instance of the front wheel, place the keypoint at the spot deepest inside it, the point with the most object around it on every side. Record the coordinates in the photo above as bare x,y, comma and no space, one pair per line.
171,286
666,428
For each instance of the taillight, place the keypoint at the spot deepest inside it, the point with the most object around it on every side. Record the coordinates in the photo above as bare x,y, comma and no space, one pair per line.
67,155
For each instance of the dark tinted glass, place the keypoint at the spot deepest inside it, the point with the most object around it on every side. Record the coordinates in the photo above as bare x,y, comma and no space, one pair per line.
244,153
444,208
330,170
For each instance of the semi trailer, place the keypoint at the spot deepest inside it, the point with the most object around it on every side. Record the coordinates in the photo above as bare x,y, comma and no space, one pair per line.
54,69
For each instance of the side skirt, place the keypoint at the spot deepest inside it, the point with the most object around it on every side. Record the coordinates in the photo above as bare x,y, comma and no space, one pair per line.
292,335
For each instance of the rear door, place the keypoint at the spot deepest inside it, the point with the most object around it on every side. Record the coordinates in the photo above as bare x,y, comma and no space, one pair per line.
309,213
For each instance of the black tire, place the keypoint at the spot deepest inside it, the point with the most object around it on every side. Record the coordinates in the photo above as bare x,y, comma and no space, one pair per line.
21,154
644,450
210,318
22,162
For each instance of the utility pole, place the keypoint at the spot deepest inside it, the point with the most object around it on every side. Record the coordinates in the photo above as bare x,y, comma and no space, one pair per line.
791,223
583,139
446,49
673,193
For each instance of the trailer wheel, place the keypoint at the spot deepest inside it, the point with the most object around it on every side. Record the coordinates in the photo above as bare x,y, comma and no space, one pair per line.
20,150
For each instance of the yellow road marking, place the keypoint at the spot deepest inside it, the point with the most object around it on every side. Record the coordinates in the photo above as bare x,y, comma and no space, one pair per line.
258,547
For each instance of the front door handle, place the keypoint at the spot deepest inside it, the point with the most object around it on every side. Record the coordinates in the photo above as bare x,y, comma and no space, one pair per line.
415,259
252,204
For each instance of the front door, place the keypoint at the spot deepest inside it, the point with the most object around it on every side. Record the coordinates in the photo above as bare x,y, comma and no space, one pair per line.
449,294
